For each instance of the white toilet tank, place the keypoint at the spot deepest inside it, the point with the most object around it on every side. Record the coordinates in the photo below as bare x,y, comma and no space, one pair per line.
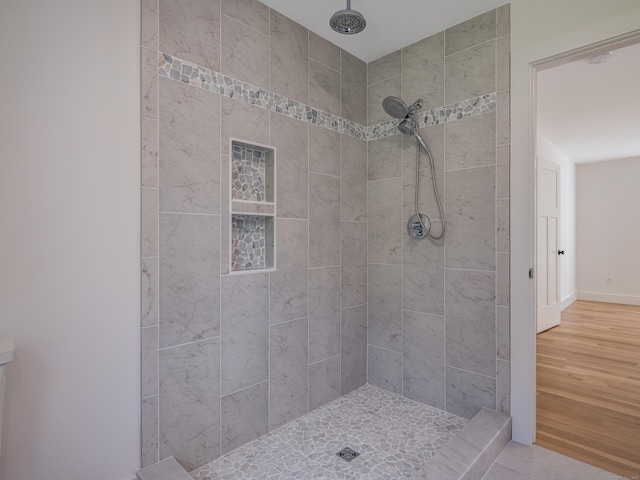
6,354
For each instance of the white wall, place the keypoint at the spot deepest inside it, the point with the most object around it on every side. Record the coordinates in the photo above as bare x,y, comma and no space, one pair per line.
539,30
69,247
608,231
550,152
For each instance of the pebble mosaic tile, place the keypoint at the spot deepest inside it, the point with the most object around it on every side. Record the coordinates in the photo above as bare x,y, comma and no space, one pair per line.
196,75
394,436
248,174
248,242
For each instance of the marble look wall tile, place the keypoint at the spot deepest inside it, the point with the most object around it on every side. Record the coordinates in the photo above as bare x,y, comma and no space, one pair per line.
503,333
471,72
324,88
385,157
149,24
376,94
385,222
434,138
324,313
324,151
502,218
472,32
149,153
324,382
503,387
244,122
471,224
189,149
149,83
423,71
503,182
190,29
385,369
503,279
468,393
385,306
353,348
503,64
385,67
423,275
290,284
289,372
289,58
245,52
354,263
245,331
291,139
149,431
354,97
149,292
503,121
324,220
423,366
149,362
353,178
471,142
189,278
149,222
190,403
503,20
244,416
250,12
323,51
471,320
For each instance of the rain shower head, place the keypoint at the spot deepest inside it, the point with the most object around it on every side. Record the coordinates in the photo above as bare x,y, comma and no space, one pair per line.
348,21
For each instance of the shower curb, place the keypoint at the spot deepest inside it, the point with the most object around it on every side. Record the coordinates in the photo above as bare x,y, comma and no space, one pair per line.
470,454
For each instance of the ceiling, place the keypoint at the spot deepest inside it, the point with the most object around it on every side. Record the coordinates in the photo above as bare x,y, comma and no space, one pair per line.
391,24
592,112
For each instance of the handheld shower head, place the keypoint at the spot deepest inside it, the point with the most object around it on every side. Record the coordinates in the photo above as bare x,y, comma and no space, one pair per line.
348,21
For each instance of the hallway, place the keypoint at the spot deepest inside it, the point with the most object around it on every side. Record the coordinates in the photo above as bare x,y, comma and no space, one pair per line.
588,386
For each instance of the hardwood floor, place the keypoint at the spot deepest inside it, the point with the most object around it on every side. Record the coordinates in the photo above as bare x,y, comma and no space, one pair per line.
588,386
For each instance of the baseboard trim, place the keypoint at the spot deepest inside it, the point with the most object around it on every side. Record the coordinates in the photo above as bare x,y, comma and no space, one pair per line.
609,298
568,300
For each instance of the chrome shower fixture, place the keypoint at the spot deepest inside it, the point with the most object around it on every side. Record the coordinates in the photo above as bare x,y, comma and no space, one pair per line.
396,107
348,21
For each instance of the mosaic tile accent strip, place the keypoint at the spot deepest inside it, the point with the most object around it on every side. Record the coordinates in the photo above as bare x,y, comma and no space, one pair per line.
395,436
192,74
248,174
248,242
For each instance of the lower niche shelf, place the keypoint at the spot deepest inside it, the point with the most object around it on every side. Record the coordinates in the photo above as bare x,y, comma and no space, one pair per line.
252,243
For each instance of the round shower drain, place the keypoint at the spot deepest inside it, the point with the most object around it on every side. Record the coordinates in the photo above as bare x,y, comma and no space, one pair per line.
347,454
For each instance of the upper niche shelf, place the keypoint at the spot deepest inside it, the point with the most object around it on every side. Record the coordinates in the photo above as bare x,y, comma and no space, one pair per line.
252,173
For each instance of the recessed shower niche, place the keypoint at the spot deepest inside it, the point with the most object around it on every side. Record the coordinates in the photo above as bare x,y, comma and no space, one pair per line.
252,178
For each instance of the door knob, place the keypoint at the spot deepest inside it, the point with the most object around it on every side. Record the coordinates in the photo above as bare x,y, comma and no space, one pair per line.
560,252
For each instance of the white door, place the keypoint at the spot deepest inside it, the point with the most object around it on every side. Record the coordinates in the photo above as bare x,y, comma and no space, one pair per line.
548,266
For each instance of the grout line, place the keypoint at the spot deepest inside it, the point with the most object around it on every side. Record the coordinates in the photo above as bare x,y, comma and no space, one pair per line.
475,167
494,39
162,349
324,360
384,80
469,371
243,388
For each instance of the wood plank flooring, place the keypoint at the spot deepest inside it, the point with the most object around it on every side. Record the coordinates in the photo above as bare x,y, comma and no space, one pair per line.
588,386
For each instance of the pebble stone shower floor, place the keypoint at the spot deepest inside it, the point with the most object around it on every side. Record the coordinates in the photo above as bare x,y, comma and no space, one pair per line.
395,436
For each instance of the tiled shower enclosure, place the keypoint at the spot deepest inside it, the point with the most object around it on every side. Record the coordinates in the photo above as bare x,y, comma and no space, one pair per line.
228,357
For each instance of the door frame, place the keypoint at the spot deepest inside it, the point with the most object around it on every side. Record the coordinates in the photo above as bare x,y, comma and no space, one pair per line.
523,331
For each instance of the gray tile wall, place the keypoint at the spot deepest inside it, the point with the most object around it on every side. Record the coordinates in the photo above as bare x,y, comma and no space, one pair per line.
226,358
438,319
